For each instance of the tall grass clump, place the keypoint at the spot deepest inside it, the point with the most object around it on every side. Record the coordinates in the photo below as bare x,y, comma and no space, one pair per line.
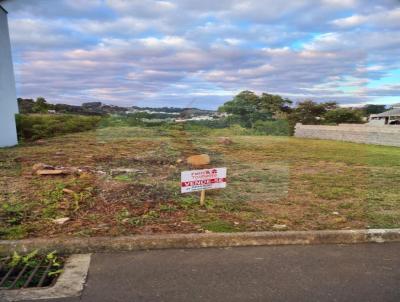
32,127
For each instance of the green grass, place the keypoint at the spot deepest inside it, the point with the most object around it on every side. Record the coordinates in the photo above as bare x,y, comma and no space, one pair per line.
219,226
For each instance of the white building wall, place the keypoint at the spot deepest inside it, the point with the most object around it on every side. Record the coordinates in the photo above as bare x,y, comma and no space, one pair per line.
8,95
380,122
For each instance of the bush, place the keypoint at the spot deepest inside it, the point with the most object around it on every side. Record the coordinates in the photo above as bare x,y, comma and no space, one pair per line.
279,128
233,130
213,124
36,126
343,115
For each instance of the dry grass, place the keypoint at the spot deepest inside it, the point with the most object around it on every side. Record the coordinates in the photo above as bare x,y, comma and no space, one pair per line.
303,184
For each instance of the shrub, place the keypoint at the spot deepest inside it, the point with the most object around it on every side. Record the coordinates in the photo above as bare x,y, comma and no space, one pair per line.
115,121
37,126
233,130
279,128
214,124
343,115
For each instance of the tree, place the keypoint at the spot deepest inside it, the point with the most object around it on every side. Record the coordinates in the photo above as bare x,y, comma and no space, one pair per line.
247,107
40,105
25,105
374,109
274,103
310,113
343,115
330,105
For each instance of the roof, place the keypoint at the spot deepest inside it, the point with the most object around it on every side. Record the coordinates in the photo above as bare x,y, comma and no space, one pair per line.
393,112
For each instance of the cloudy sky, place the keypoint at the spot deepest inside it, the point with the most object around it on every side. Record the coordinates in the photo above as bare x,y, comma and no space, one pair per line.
201,53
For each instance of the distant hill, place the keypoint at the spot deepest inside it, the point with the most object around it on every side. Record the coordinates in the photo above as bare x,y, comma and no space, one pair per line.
97,108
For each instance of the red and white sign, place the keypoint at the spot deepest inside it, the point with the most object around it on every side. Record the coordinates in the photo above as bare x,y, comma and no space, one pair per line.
206,179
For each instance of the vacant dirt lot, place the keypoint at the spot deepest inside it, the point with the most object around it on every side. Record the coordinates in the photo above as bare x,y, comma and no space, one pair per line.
122,181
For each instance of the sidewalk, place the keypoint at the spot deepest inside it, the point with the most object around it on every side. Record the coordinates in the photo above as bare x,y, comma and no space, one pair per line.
362,272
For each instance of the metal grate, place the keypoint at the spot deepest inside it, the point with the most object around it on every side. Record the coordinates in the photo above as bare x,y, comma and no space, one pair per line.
37,272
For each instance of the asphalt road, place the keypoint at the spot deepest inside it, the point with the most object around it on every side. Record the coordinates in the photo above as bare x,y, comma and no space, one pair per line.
369,272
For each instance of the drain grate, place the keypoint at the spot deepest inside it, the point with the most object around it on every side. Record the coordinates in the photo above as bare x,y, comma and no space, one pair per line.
31,270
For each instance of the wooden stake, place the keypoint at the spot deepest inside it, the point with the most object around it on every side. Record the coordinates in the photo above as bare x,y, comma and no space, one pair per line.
202,197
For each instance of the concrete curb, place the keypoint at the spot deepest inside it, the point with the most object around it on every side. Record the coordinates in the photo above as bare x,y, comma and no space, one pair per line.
142,242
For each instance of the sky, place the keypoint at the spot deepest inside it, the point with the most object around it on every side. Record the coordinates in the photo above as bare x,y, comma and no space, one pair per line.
190,53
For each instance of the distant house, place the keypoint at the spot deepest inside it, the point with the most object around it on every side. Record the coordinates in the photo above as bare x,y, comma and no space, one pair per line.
195,118
390,117
8,95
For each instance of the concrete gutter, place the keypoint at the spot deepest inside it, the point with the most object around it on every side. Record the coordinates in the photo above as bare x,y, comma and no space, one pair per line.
184,241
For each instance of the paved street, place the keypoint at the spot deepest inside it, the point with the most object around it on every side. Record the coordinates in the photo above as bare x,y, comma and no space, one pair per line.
369,272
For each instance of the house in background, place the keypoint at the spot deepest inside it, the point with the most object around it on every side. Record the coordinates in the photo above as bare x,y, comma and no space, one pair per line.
390,117
8,95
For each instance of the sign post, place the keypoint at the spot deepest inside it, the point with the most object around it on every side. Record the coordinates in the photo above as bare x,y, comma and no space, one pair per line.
202,180
202,197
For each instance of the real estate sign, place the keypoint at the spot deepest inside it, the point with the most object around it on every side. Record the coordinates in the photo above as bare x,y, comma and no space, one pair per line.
205,179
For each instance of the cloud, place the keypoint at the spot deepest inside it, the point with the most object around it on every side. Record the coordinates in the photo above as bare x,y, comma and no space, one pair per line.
382,19
28,33
180,52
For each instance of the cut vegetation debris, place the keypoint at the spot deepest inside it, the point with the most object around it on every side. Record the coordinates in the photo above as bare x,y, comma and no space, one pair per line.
123,181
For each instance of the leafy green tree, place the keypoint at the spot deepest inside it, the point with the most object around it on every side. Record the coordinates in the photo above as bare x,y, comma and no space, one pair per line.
310,113
25,106
343,115
40,106
275,103
374,109
247,107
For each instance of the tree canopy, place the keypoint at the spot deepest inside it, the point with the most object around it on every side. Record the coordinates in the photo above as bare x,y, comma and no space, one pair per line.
343,115
374,109
247,107
31,106
309,112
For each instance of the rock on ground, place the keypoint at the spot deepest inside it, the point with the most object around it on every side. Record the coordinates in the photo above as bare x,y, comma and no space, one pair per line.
198,160
225,141
41,166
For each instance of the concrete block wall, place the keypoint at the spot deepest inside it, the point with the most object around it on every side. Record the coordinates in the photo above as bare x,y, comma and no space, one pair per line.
366,134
